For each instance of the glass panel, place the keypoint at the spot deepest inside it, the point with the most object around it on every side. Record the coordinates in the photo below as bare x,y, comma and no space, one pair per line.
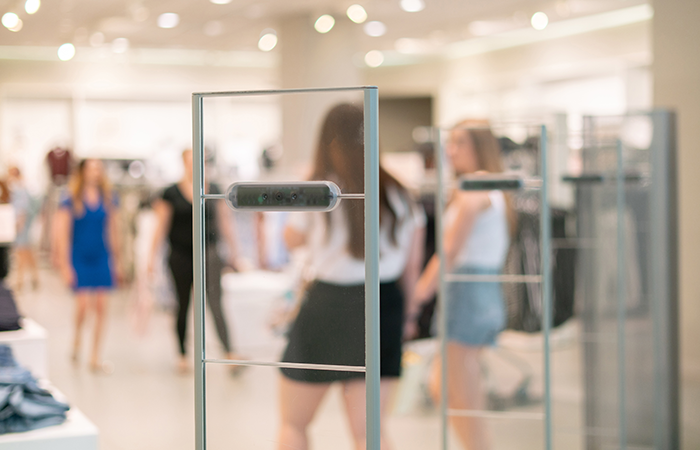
244,410
492,281
292,296
615,281
285,268
507,433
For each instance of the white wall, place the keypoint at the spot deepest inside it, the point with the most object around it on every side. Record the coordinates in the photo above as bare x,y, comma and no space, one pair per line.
600,72
677,86
120,108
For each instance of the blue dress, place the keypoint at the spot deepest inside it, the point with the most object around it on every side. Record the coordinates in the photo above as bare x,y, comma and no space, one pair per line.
90,252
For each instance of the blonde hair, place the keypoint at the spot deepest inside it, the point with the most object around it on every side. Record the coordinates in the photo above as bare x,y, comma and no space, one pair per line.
76,187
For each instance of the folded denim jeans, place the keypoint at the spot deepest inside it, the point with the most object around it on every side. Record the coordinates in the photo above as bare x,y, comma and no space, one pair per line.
24,405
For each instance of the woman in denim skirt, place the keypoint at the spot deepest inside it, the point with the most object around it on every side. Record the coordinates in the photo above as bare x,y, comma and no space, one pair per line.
478,226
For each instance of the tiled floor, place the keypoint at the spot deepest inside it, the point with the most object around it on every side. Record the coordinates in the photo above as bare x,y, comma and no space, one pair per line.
144,404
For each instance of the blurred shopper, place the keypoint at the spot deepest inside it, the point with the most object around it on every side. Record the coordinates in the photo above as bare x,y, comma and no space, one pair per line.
329,327
26,208
478,226
87,233
174,218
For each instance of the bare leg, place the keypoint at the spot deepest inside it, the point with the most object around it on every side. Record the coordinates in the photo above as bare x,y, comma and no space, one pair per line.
100,306
355,396
20,260
81,304
464,392
298,404
33,270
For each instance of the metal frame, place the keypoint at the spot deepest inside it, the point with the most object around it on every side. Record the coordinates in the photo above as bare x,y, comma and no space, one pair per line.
371,198
621,296
664,274
655,422
545,278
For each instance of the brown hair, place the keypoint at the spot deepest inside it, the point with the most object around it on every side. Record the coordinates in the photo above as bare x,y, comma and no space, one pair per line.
340,158
76,187
489,158
4,192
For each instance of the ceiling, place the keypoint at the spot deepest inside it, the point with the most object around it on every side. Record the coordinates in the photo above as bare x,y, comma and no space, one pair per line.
237,26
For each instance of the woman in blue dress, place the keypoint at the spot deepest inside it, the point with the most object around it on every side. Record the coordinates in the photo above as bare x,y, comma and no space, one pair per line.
88,242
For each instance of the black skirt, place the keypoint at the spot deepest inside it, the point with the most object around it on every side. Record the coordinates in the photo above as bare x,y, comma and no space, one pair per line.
330,329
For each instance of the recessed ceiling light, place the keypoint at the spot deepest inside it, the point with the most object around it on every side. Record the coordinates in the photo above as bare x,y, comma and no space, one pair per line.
97,39
267,41
120,45
412,5
10,20
168,20
66,52
32,6
375,28
539,21
220,2
213,28
374,58
324,24
18,26
357,13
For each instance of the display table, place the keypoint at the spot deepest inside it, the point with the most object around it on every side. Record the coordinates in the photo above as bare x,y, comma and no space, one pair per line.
76,433
249,300
29,347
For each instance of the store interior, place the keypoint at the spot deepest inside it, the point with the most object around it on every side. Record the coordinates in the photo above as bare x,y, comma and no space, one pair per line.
114,81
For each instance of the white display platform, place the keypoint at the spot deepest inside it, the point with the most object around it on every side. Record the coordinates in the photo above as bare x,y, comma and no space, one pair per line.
29,347
249,299
76,433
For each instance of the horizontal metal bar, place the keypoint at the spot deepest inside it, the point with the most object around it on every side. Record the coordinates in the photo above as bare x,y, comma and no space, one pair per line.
214,196
494,414
282,91
285,365
490,183
465,278
352,196
596,178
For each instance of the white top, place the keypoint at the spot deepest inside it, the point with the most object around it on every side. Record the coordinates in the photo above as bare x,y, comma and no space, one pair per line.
487,245
329,259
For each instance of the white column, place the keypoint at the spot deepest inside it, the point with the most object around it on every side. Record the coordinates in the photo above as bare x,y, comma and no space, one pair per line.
676,73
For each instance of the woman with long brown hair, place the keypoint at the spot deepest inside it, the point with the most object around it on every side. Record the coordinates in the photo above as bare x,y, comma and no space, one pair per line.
329,328
87,233
478,226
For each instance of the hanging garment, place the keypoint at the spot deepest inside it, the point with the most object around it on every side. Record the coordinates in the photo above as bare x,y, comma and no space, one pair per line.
59,161
24,405
524,300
